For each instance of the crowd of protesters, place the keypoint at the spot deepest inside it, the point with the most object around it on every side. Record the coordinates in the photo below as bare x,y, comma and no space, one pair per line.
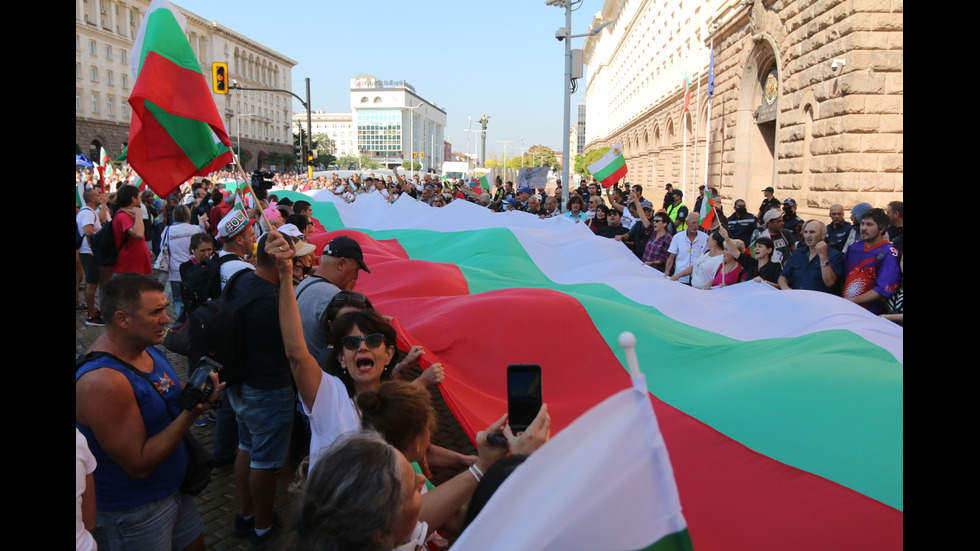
328,393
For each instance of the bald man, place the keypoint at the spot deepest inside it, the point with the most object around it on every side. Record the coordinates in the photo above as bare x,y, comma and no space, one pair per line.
839,229
815,267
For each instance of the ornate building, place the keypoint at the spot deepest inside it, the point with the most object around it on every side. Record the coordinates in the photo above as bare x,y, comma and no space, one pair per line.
105,31
807,97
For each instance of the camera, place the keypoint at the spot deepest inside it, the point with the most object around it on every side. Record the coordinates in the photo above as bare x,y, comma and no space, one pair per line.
261,180
200,386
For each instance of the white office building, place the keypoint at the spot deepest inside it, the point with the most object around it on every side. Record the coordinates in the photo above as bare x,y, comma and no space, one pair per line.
394,124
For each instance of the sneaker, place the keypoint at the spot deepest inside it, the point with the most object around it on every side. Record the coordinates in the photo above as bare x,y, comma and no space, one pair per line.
265,541
200,422
242,528
95,320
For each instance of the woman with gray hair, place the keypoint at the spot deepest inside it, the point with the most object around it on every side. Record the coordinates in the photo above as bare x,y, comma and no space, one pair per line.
362,495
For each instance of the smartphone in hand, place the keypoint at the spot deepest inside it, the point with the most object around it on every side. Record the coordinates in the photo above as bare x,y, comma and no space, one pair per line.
523,395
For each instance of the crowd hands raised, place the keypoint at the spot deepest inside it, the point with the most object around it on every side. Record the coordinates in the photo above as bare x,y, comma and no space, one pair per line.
347,397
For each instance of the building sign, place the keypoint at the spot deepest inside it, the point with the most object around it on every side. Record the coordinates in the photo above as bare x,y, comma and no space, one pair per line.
364,82
770,94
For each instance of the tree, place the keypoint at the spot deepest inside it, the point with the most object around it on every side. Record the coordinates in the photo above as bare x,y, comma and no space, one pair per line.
244,155
542,156
408,165
590,157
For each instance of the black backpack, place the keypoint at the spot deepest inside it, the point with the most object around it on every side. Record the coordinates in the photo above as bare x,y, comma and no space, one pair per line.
216,330
104,245
201,282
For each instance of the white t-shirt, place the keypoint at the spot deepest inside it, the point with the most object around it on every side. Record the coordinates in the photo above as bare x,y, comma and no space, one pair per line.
84,466
177,237
705,268
333,414
86,217
231,267
686,251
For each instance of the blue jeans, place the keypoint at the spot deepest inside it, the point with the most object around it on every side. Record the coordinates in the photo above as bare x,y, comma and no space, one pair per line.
171,523
178,298
225,444
265,418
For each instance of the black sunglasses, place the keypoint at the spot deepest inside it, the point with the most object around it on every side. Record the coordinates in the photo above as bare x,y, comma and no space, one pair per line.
353,342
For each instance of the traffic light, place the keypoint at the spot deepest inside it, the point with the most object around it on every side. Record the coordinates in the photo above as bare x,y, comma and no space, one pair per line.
309,159
219,77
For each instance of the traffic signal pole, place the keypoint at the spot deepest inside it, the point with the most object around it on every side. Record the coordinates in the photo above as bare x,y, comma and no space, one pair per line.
309,117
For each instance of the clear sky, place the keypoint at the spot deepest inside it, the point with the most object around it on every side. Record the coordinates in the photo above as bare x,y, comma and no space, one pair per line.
498,57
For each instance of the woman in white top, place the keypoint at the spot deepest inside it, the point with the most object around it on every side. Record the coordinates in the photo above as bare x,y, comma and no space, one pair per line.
177,239
703,269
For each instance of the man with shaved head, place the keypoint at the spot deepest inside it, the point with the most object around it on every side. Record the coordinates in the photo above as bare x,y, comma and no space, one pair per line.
815,267
838,229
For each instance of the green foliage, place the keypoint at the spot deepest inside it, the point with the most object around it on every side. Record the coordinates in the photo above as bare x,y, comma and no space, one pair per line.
590,157
407,165
244,155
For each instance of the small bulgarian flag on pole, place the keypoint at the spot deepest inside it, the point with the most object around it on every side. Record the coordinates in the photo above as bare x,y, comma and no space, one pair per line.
687,93
707,218
176,131
610,168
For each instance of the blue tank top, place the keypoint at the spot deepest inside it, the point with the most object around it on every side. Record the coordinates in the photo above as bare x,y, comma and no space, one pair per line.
115,490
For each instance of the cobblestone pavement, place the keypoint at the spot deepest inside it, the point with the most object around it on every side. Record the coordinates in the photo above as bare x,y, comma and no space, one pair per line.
218,504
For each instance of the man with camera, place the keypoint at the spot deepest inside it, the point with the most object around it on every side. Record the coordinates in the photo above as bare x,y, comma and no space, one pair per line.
132,410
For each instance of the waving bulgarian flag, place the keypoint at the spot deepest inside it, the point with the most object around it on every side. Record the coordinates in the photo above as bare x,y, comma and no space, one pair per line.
783,432
483,182
610,168
707,213
176,131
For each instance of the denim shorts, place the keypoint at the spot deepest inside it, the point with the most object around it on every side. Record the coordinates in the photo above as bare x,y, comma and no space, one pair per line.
171,523
265,420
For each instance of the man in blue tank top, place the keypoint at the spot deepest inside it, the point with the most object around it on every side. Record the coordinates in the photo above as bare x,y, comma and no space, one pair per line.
128,406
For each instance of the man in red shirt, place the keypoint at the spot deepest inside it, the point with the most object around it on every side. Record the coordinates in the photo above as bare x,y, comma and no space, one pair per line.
128,232
218,211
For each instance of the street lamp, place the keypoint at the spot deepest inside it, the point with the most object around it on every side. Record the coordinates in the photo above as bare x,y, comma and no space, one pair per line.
238,132
504,167
564,34
411,137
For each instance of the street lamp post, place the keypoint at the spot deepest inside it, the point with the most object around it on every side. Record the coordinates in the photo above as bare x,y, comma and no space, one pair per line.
411,138
565,34
504,164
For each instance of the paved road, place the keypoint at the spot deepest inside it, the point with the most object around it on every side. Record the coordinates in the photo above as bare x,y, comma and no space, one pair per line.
219,502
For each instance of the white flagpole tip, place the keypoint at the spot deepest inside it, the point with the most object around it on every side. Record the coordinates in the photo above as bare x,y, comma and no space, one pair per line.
628,341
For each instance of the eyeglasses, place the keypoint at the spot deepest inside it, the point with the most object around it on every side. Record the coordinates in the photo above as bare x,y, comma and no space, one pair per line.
353,342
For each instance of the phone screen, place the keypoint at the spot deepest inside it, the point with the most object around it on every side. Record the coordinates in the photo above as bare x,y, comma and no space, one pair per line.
523,395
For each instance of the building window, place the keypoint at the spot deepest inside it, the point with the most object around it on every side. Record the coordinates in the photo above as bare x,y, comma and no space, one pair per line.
91,47
125,110
95,103
377,99
94,73
78,70
78,100
125,81
108,52
122,57
108,106
364,99
108,78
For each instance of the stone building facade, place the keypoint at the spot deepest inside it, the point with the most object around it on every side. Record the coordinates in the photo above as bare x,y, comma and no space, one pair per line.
808,99
105,31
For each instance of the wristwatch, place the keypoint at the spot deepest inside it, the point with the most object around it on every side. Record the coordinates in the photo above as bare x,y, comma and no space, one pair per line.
827,263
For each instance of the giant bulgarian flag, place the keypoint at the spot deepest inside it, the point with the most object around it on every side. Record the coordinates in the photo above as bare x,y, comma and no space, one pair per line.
610,168
781,411
176,131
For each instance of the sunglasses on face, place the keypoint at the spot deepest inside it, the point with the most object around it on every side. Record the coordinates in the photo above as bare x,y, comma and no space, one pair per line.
353,342
343,297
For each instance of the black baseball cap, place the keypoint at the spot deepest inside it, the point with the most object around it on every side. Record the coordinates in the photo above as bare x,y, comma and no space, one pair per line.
345,247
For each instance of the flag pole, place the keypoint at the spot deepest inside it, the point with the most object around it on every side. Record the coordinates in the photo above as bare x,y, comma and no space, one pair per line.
248,184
